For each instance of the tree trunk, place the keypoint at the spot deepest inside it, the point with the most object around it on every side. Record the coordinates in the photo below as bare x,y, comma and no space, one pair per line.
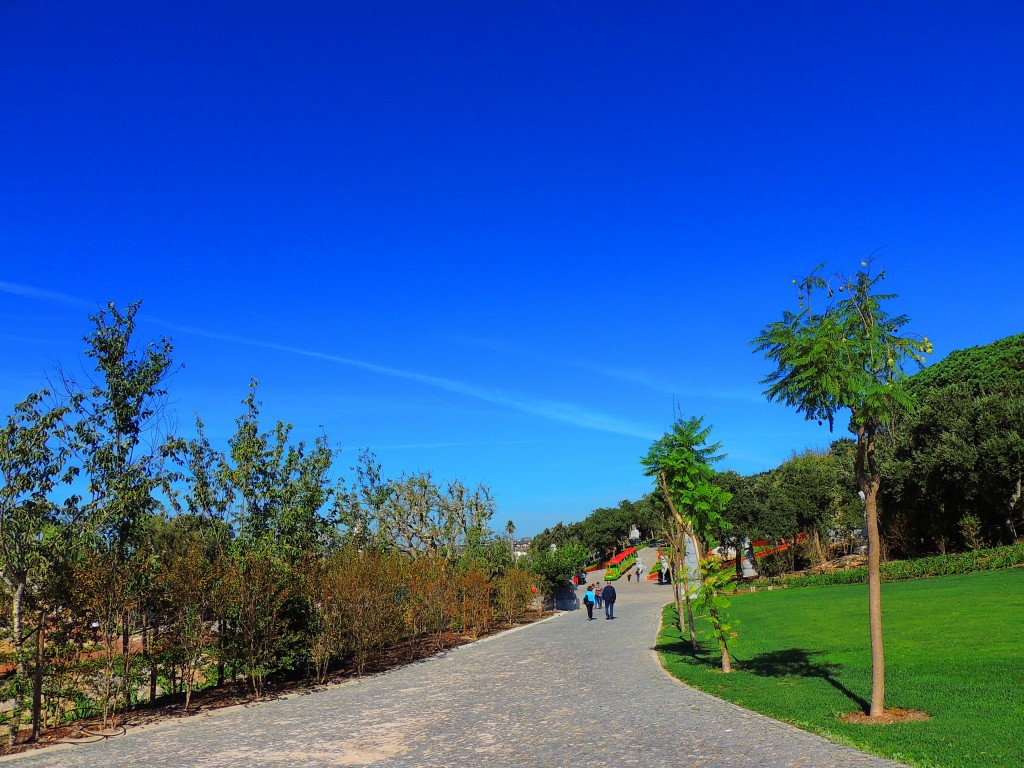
17,627
1009,532
152,660
869,480
37,687
684,532
726,661
220,652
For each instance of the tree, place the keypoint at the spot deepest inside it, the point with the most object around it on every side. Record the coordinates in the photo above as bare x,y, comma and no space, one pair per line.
555,568
848,356
680,462
961,451
280,489
418,516
33,462
743,512
123,455
189,575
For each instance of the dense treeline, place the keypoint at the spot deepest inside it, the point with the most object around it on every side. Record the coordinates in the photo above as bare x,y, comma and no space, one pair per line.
138,564
957,463
955,469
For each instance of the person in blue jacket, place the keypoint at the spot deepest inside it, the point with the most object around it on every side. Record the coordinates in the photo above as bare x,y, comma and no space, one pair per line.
589,600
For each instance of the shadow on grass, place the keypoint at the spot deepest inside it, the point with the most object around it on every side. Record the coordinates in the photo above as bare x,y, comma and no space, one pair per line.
682,648
792,662
799,662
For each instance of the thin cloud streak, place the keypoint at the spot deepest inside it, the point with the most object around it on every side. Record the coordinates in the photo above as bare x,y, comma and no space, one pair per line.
566,413
638,377
52,296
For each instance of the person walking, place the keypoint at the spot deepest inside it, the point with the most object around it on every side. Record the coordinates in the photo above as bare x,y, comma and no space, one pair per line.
629,575
589,600
597,593
608,595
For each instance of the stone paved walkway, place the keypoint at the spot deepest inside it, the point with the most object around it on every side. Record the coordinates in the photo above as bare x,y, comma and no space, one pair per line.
542,696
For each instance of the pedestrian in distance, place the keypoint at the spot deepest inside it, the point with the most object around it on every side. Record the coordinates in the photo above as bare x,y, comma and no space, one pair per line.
629,575
588,601
597,593
609,602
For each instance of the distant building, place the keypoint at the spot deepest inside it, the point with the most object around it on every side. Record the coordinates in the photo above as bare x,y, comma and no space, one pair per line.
521,546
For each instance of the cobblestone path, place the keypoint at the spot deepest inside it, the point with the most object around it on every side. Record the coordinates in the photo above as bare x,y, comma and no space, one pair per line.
543,696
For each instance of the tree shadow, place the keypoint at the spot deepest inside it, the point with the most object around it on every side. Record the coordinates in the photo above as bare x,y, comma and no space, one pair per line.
679,648
799,662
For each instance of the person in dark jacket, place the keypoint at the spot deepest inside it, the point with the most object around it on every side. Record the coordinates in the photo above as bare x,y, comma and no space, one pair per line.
608,596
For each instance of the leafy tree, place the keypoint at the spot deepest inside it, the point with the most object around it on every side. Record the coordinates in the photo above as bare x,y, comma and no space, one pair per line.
555,568
743,512
962,451
190,564
123,456
848,355
559,535
281,491
680,462
33,463
258,591
417,515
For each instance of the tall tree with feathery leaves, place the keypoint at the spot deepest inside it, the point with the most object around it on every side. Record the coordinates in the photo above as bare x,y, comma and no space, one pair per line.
849,354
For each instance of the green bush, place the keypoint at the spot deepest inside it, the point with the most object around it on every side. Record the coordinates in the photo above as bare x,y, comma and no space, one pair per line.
903,570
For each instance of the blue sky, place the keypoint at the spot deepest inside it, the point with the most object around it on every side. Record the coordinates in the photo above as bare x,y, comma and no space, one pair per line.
500,242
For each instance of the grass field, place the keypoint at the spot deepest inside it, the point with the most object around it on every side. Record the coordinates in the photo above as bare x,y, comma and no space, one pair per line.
954,650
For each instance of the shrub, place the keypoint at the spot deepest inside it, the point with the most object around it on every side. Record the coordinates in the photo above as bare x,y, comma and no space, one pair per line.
902,570
513,594
474,600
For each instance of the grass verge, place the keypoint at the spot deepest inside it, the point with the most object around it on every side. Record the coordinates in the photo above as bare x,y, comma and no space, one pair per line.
954,649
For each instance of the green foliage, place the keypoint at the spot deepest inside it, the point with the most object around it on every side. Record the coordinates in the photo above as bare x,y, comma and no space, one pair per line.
921,568
982,369
850,355
258,591
970,529
513,594
281,489
33,463
715,583
681,461
962,451
118,412
556,568
414,513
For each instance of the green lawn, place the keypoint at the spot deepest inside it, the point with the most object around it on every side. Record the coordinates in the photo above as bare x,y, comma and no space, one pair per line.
954,649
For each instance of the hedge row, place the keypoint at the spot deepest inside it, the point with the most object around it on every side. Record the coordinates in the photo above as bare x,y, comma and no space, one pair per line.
903,570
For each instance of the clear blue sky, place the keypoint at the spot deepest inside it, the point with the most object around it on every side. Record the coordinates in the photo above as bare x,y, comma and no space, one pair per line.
500,241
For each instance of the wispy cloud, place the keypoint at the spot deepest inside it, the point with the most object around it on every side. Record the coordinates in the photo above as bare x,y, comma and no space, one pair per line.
52,296
432,446
567,413
552,410
639,377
